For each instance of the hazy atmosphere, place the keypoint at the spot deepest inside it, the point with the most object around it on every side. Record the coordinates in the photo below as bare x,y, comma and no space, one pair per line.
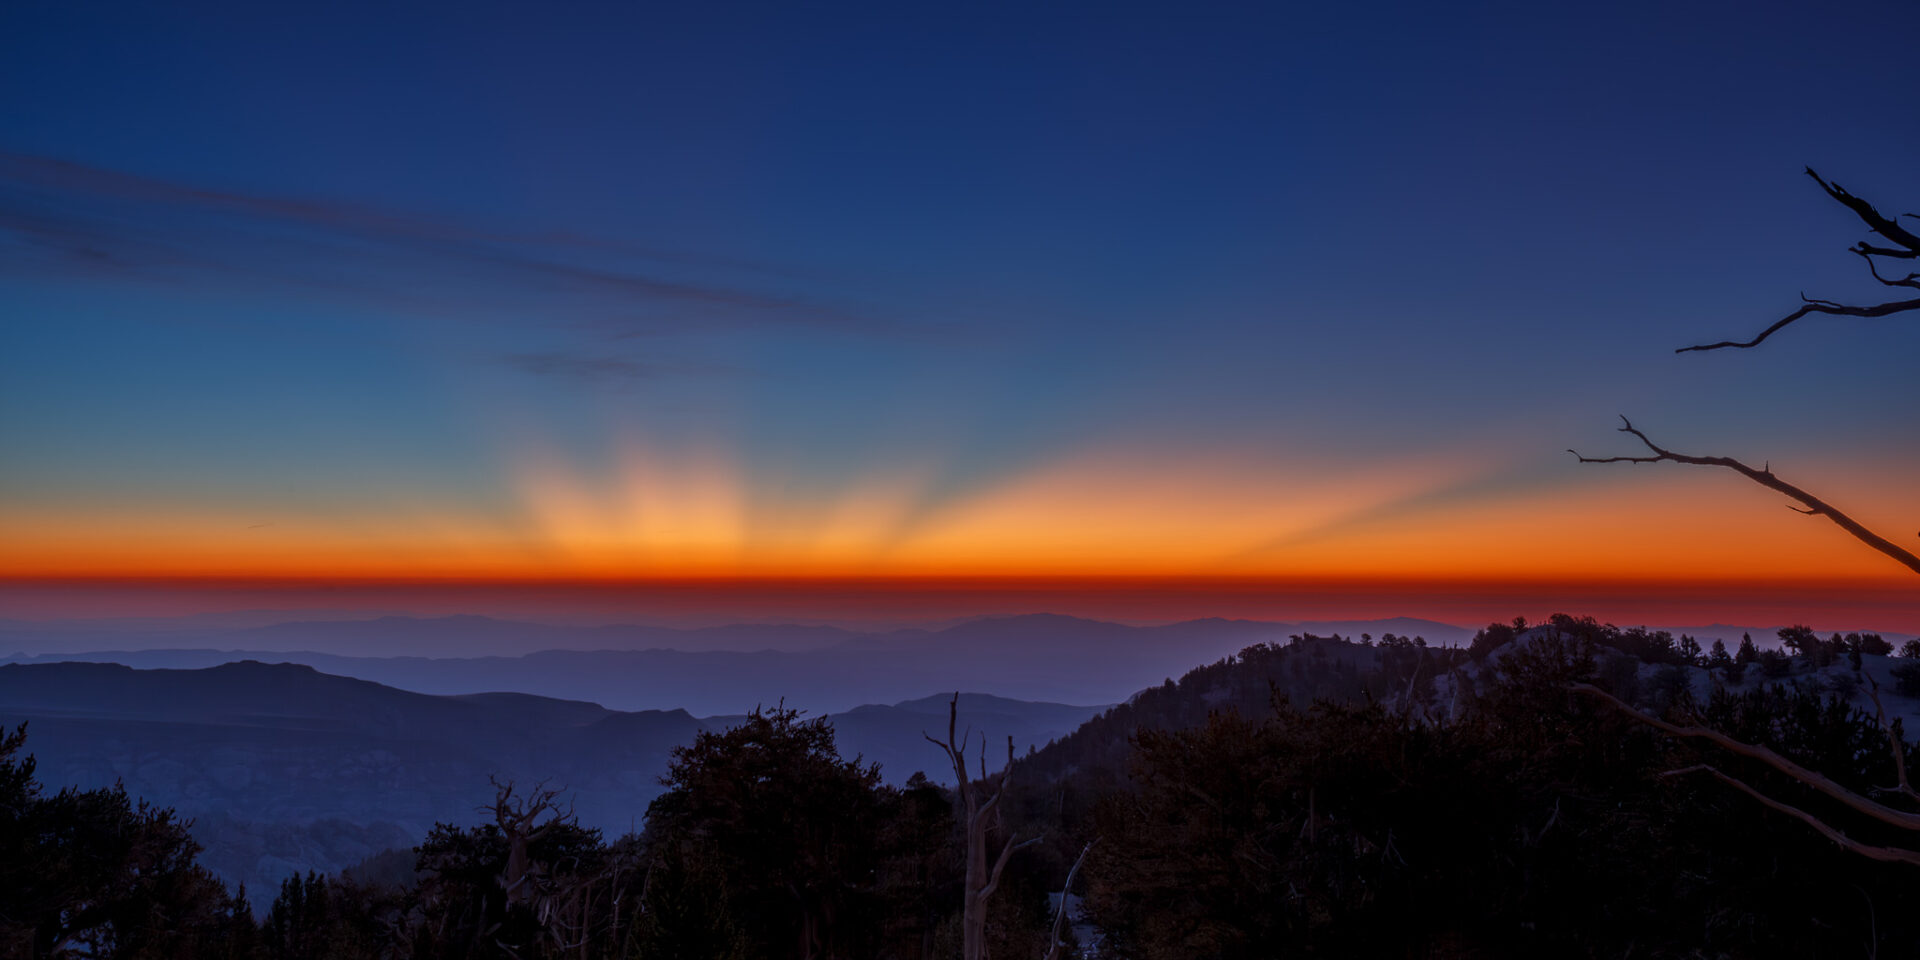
634,294
609,480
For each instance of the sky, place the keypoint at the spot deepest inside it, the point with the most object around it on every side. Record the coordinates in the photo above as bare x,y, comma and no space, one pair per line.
806,311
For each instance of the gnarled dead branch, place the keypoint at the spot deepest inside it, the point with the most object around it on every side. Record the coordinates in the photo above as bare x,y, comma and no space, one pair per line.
516,820
1905,246
1870,851
1901,784
1855,801
1866,805
1811,505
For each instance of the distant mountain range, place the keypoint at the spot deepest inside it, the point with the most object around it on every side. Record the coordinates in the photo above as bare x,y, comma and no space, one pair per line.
453,636
729,670
477,636
721,670
314,760
285,768
323,759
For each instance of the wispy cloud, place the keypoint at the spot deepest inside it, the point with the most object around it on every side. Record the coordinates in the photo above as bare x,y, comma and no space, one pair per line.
101,224
566,366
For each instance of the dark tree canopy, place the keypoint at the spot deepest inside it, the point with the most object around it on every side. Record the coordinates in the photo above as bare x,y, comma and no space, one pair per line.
770,811
97,873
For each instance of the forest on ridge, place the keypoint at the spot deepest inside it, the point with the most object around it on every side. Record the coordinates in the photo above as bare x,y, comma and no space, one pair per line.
1323,797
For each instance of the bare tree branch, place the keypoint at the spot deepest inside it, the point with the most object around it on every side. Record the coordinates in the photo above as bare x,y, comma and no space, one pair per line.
1886,854
1060,914
1819,782
987,808
1879,224
1898,749
516,821
1910,280
1006,853
1812,505
1906,247
1818,306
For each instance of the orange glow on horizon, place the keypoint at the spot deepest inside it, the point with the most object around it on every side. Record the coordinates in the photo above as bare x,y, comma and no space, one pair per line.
1048,526
1881,604
1124,533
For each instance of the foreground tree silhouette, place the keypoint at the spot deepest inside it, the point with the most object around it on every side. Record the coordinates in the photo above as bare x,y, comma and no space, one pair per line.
94,873
1531,821
530,883
765,845
1905,246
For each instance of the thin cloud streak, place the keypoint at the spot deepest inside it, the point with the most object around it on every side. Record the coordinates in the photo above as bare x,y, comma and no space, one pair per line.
104,224
64,176
568,366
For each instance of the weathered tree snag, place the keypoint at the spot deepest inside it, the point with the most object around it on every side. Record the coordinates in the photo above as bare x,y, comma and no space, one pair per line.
562,901
1811,505
978,818
1906,246
516,820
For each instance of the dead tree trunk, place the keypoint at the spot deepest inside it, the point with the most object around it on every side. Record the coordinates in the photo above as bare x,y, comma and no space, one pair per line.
978,818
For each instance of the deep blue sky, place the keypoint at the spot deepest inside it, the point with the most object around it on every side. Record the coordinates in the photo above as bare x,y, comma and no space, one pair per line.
321,267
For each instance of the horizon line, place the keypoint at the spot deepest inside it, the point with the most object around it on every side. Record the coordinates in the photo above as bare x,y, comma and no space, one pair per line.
1886,605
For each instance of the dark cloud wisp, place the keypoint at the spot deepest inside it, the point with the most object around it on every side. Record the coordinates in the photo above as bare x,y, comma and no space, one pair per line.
593,369
72,219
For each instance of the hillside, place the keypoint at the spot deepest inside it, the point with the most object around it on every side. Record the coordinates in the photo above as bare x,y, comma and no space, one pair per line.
1646,667
1369,775
1036,657
286,768
481,636
1379,799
